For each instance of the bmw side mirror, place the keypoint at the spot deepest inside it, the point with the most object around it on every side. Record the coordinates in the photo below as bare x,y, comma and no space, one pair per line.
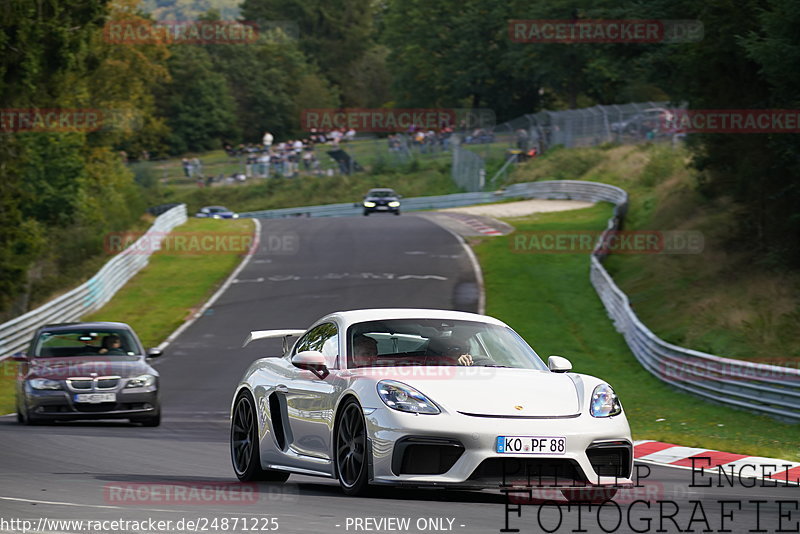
154,352
557,364
19,357
311,360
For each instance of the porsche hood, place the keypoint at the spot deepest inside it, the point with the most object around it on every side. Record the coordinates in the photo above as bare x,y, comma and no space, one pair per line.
494,392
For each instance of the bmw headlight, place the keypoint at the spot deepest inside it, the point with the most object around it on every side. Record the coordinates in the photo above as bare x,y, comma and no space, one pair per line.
404,398
368,204
394,204
45,383
141,381
604,402
235,215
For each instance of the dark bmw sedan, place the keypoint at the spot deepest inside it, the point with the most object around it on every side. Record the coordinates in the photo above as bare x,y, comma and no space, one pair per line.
381,200
87,371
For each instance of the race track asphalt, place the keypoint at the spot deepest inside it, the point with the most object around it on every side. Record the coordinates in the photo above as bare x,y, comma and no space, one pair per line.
305,268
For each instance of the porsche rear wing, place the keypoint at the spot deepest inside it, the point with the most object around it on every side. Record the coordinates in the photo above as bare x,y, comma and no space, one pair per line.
267,334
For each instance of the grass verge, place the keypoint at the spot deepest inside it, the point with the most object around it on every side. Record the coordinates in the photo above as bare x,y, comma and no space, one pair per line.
173,285
729,300
162,295
549,300
7,381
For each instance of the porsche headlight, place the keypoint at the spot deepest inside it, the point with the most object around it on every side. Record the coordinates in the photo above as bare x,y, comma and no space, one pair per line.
141,381
394,204
368,204
604,402
402,397
45,383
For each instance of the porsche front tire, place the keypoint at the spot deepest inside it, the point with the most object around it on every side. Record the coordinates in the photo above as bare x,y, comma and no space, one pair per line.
350,452
244,444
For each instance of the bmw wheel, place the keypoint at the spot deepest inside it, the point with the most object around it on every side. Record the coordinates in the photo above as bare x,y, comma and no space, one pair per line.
244,444
150,420
351,449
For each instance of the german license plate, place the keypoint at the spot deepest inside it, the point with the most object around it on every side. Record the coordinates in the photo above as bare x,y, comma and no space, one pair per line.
95,398
382,208
531,444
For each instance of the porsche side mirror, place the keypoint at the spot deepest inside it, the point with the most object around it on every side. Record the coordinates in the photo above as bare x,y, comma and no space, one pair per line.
154,352
557,364
311,360
19,357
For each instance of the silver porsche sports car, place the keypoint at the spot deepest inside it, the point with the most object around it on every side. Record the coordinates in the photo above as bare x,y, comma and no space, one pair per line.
419,397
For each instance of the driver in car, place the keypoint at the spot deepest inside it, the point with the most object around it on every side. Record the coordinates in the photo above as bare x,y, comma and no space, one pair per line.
461,355
365,351
112,344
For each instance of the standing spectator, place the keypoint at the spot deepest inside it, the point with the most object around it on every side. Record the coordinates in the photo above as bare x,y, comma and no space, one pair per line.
267,140
248,166
187,168
263,165
335,136
197,167
275,160
308,156
522,139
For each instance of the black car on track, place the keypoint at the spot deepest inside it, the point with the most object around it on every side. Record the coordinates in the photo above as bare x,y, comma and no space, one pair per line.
95,370
381,200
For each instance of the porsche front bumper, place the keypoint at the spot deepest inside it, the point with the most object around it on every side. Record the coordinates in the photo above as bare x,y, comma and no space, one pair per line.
454,449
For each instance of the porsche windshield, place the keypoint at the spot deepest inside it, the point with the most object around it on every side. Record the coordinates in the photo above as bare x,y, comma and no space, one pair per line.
106,342
438,342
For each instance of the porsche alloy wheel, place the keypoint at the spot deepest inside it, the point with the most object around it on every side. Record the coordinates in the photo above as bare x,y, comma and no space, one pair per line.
351,449
244,444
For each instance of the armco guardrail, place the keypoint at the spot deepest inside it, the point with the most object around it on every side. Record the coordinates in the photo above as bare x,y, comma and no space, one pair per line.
91,295
765,389
559,189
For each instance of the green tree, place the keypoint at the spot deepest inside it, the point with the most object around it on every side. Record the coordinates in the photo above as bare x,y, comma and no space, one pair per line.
334,34
196,103
271,82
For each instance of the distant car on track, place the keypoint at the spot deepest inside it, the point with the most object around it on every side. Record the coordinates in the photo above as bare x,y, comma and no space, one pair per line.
87,371
381,200
413,397
216,212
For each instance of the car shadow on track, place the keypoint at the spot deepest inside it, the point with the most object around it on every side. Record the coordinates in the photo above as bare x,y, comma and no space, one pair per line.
290,491
407,494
